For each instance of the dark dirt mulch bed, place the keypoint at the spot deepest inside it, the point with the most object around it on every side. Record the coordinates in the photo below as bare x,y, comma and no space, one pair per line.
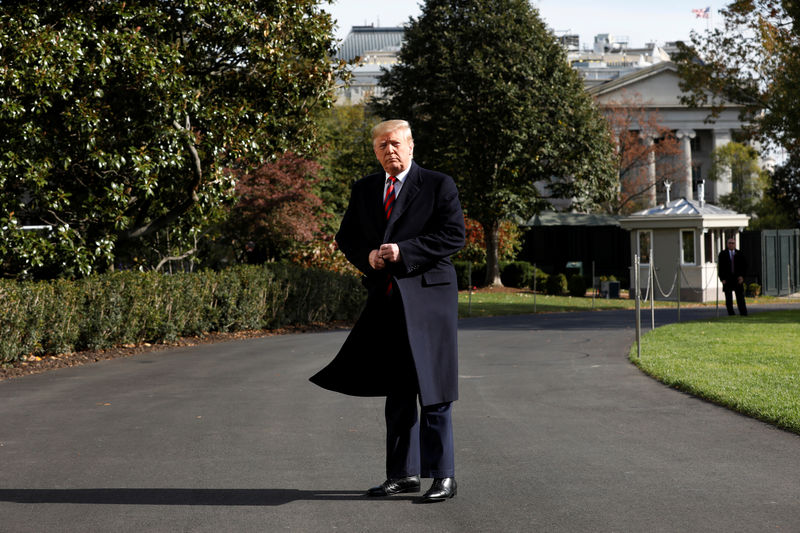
36,365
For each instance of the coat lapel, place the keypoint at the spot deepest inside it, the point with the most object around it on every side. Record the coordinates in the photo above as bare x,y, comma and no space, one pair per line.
408,192
375,200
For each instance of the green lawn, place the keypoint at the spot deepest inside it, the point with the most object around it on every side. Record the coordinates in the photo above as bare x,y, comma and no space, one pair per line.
488,303
749,364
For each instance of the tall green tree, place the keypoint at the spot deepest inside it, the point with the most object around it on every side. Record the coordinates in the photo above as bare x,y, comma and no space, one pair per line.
492,100
347,155
119,118
739,163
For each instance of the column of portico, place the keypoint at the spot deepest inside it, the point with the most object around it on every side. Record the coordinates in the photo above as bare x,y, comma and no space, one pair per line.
722,185
685,182
651,171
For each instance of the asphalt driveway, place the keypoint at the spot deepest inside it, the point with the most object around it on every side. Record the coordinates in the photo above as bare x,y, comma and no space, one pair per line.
555,431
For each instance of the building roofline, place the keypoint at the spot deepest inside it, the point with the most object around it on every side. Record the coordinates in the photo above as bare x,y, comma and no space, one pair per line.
632,77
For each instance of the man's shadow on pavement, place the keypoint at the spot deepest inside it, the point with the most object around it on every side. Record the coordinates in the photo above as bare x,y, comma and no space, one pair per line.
229,497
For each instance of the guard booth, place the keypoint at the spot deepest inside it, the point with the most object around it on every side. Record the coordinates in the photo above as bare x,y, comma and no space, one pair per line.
682,237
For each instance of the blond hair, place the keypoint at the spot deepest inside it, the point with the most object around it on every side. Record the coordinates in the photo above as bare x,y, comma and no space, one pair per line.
388,126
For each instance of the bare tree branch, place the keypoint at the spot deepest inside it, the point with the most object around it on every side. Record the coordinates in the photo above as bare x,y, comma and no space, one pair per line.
175,258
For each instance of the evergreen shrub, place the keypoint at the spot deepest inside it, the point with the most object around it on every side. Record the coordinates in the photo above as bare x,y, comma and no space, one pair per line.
541,280
518,274
51,317
556,284
576,285
754,289
479,275
462,274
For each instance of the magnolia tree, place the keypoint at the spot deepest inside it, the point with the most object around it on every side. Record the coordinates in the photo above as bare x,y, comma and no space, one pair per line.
119,120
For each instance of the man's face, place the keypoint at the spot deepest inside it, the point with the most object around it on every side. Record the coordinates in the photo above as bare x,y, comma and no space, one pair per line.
394,151
731,244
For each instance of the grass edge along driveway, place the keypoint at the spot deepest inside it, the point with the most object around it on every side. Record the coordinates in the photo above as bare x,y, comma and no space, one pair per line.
748,364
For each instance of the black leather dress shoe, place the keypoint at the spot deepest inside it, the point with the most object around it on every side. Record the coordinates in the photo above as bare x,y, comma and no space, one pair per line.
395,486
443,488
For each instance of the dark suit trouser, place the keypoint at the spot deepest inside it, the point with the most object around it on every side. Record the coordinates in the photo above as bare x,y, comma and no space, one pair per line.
729,288
416,443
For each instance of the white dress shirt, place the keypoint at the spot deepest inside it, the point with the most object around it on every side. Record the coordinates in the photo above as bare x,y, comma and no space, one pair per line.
397,185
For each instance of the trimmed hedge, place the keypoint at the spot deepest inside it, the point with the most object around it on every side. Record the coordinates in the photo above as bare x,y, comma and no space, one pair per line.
39,318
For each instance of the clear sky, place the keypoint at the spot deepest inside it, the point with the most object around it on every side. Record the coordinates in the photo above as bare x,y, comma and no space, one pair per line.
641,20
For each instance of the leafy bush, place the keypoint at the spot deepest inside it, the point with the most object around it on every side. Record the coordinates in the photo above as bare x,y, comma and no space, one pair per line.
517,274
463,274
540,276
754,289
39,318
576,285
556,284
479,275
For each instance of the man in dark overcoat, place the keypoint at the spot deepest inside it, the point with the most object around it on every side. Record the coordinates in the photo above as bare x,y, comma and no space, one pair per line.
399,230
732,268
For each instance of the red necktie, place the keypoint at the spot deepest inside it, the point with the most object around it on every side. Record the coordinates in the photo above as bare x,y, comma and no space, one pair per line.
388,200
388,204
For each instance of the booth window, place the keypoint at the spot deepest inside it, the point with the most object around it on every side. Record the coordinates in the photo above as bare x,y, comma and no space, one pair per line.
708,241
645,238
687,246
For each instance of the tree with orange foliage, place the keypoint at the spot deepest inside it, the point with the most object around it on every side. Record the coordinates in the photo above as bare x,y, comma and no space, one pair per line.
509,242
640,141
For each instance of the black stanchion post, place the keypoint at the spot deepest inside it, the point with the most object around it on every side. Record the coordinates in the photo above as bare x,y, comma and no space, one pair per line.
652,293
469,300
678,288
636,306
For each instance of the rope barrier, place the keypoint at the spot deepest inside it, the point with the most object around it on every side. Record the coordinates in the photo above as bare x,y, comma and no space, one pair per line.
710,280
687,285
658,284
647,291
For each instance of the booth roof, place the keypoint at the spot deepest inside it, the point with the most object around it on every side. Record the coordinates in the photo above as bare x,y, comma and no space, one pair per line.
682,206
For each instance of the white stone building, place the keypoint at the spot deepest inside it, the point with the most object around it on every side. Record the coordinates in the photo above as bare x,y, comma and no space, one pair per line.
378,49
658,87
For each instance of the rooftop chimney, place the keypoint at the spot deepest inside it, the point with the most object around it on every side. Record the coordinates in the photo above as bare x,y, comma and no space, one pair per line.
701,192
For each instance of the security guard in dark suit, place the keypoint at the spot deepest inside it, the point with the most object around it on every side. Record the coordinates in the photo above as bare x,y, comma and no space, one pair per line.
732,268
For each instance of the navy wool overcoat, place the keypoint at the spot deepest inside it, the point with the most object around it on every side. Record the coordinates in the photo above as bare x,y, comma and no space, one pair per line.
427,224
